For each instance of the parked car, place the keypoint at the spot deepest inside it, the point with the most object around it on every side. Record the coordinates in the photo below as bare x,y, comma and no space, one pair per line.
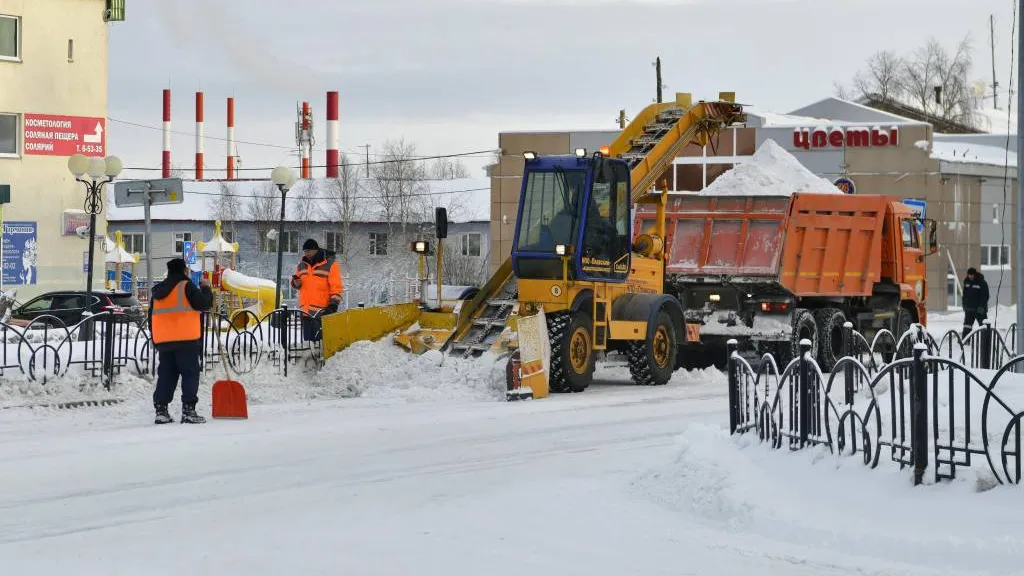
68,306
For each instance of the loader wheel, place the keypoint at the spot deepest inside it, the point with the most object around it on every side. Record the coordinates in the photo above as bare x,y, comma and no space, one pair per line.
830,327
572,351
804,326
652,361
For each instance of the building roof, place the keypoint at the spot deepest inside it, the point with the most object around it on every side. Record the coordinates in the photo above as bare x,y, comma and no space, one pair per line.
466,199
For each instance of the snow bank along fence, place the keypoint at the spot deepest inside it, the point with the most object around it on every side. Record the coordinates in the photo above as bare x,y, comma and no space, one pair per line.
933,407
104,345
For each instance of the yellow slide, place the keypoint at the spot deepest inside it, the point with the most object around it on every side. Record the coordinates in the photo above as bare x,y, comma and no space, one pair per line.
259,289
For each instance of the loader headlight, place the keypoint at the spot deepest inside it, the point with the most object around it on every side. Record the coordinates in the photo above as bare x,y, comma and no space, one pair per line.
581,152
715,298
529,156
560,249
419,247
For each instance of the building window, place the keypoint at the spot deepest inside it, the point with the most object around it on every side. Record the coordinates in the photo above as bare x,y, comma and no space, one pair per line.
8,135
228,235
471,244
134,243
291,241
333,242
10,38
995,255
378,244
179,242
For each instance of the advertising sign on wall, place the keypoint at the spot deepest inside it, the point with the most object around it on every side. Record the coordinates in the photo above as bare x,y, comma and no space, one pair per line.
73,219
19,255
48,135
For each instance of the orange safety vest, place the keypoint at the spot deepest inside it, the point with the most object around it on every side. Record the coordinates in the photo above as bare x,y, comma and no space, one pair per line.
174,319
321,283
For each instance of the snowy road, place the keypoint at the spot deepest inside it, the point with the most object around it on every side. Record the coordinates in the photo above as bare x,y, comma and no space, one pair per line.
573,484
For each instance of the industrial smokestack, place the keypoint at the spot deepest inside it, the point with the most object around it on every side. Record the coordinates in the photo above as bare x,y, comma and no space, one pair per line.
231,139
166,161
333,152
199,135
305,139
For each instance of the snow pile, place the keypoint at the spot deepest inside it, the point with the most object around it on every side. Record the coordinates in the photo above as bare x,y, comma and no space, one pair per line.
812,496
382,370
771,171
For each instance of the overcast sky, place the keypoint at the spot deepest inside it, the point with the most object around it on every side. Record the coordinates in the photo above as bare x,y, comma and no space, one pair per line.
448,75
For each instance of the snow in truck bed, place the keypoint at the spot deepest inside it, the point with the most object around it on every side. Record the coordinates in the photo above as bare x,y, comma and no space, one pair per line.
771,171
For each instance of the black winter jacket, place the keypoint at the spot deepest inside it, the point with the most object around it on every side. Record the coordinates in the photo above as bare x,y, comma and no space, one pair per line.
976,294
198,298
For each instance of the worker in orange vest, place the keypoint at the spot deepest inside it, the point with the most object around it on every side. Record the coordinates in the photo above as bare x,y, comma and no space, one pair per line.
174,319
318,279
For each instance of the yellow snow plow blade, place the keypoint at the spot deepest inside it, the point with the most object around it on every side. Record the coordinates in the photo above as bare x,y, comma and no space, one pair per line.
341,329
430,332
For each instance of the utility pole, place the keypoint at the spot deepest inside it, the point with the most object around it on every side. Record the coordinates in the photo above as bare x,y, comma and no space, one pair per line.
657,72
995,83
1018,267
367,146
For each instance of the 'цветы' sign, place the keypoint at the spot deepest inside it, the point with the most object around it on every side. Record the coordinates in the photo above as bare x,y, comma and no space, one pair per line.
49,135
856,137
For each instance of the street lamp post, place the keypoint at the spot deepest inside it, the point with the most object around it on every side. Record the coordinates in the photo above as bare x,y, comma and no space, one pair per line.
284,178
93,173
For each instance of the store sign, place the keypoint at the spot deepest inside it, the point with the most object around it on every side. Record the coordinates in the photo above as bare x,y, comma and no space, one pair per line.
72,220
47,135
19,253
818,138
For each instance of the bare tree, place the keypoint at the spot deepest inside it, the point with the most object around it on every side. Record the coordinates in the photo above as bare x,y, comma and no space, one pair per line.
883,76
448,169
226,206
398,182
264,209
913,79
342,204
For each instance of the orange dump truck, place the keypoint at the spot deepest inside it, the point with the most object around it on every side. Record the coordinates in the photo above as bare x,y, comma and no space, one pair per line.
770,271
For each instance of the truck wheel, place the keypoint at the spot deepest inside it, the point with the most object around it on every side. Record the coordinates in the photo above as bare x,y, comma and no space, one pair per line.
830,327
804,326
572,351
652,360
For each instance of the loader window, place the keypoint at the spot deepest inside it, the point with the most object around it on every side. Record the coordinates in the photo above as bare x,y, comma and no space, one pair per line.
548,215
606,234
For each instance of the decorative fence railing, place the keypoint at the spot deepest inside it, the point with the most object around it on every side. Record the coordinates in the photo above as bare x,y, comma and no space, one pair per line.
108,343
935,407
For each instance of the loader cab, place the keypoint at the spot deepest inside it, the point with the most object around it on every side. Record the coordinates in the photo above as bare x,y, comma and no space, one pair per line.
577,207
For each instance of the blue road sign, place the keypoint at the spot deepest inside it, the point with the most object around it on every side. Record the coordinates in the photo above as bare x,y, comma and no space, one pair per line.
846,185
190,252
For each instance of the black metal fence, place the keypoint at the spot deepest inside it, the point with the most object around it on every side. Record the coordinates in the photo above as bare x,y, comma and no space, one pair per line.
933,407
109,343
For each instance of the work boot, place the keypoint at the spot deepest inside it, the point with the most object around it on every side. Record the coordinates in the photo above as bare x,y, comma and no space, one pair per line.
189,415
162,415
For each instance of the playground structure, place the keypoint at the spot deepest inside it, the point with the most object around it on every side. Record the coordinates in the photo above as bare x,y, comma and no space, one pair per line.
231,289
117,261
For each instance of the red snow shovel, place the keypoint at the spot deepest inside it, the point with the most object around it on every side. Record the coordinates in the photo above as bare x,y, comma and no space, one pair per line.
228,395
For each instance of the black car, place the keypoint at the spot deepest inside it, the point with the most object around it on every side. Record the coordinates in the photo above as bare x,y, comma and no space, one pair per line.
68,306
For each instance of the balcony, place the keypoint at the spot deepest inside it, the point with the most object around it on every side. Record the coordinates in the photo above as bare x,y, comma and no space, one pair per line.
114,11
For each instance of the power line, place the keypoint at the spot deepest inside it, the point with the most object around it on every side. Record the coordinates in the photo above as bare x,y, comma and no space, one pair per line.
350,164
276,196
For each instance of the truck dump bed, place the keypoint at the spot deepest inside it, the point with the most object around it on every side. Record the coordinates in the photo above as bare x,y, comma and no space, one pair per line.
810,244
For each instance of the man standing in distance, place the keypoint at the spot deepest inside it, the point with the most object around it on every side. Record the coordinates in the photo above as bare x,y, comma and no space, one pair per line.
174,318
318,279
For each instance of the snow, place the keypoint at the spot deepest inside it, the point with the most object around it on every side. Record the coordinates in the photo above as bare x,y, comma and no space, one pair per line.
468,199
965,153
386,463
771,171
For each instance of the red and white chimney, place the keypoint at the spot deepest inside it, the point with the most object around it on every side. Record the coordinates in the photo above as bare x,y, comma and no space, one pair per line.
199,135
333,145
166,161
305,140
231,139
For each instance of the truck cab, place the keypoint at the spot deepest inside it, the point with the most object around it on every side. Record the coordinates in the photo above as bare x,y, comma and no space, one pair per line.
903,259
